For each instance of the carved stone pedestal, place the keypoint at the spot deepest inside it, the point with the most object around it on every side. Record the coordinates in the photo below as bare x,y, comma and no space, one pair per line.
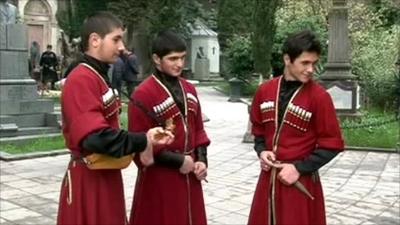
22,112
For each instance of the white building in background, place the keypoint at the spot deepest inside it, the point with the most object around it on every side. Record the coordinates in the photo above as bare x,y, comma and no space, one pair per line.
40,18
206,38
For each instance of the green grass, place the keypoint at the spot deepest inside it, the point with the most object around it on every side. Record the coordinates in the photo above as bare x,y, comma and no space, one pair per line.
374,129
384,137
41,144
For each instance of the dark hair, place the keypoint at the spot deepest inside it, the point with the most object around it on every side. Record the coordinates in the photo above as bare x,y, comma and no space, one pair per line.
303,41
49,46
166,42
101,23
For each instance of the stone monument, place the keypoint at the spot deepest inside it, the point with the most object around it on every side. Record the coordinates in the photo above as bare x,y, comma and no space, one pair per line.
201,66
337,79
8,13
22,112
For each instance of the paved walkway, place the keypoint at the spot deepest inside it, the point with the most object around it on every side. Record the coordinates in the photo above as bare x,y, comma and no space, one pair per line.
360,187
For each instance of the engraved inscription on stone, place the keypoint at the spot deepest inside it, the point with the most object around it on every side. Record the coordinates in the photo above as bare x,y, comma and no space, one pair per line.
14,93
13,65
29,92
342,99
17,37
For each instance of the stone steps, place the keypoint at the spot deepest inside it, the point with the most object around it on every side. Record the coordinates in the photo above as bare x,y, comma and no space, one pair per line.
10,132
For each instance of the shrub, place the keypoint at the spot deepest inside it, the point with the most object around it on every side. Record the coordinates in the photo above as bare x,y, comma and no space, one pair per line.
240,57
293,21
374,53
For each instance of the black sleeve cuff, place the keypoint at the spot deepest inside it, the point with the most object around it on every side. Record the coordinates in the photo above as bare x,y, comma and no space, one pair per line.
201,154
259,144
169,159
315,161
137,143
115,143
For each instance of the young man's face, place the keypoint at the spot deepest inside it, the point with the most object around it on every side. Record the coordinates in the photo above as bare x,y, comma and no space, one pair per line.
302,68
110,47
171,64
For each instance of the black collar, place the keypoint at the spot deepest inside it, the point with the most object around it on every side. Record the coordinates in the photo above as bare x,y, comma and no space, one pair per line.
165,78
99,66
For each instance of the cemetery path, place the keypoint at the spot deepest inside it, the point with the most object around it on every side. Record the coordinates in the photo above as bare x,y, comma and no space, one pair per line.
360,187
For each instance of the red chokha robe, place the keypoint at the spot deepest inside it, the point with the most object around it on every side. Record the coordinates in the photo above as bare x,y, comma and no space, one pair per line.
309,123
89,196
163,195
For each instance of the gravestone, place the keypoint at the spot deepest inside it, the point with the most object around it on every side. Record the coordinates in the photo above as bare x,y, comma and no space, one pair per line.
337,79
22,112
202,69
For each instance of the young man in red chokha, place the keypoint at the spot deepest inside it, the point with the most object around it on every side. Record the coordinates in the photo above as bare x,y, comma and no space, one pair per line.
296,132
90,115
170,191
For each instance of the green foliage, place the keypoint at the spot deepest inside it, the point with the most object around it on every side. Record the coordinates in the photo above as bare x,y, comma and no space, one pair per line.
240,57
289,22
375,51
388,12
65,22
148,17
210,18
247,88
131,12
175,14
71,19
155,15
250,88
233,17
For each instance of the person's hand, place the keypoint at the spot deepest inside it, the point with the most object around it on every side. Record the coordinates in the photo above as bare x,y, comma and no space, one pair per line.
146,157
160,136
155,136
187,166
288,173
267,159
200,170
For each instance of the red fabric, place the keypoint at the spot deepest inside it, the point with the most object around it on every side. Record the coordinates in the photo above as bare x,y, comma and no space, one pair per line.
297,139
292,206
97,196
163,195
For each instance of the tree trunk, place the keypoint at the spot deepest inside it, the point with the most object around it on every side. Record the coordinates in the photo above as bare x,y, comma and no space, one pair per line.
141,41
263,35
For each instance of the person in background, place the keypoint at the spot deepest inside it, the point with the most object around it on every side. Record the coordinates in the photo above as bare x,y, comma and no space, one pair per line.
296,132
49,63
170,191
131,71
118,71
34,59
